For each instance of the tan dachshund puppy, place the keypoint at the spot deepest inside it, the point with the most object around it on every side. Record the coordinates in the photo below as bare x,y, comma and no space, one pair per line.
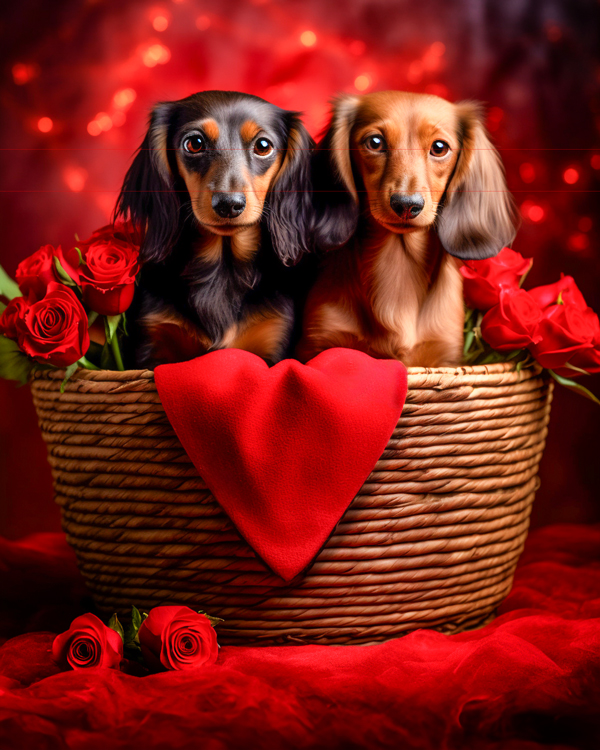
398,179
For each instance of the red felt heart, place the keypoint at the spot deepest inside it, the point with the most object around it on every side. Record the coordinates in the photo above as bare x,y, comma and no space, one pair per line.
284,449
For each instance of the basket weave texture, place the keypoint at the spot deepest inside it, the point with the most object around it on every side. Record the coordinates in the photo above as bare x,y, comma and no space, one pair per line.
431,540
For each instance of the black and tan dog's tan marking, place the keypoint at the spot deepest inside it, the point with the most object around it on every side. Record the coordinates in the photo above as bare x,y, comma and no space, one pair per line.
220,187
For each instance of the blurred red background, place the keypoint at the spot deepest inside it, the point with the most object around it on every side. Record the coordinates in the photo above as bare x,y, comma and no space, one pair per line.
80,78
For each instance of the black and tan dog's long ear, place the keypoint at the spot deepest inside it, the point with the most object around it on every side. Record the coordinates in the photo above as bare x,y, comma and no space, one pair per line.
148,194
335,198
478,217
288,202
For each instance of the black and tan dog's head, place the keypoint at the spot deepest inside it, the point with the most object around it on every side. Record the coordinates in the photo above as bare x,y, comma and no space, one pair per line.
411,162
230,161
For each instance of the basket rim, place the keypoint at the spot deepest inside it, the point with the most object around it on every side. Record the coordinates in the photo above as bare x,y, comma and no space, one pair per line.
496,368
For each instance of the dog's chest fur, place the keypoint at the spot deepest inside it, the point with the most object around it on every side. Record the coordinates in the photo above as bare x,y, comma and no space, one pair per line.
218,278
413,291
214,292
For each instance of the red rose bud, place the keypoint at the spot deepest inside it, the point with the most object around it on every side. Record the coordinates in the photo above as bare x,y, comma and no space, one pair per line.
177,638
566,290
109,302
110,266
568,335
88,643
483,279
513,323
35,273
14,312
121,231
55,329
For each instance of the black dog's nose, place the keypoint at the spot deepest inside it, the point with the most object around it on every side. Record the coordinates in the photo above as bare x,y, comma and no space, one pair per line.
228,205
408,206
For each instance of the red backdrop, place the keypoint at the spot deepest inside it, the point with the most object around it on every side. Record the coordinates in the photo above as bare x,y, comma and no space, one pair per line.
80,77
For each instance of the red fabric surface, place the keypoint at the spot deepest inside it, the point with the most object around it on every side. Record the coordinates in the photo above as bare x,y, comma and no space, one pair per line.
284,449
530,679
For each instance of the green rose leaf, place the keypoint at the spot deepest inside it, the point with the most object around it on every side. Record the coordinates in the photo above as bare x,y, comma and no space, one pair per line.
107,360
111,323
131,635
214,621
573,386
8,287
69,372
62,274
115,625
14,364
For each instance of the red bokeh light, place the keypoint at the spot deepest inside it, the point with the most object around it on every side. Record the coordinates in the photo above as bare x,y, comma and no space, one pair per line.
124,98
532,211
585,224
308,38
75,178
362,82
595,161
578,242
571,175
22,73
527,172
156,54
202,23
45,124
495,116
160,22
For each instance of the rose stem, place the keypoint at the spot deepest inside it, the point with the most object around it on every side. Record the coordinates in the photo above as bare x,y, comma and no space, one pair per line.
114,345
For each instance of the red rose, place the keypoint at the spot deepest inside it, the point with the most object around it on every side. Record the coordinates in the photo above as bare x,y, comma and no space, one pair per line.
568,335
55,329
110,264
513,323
483,279
565,288
121,231
35,273
8,320
88,643
177,638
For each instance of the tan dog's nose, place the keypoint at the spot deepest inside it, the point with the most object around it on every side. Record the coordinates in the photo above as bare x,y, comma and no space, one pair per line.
407,206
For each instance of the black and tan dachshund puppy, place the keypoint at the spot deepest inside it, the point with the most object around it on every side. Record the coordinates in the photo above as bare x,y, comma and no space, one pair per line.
220,190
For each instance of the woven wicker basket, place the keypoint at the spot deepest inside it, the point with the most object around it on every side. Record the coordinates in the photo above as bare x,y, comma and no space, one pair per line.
431,540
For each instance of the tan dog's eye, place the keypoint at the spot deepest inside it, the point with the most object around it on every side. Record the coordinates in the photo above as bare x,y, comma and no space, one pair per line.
439,148
194,144
263,147
375,143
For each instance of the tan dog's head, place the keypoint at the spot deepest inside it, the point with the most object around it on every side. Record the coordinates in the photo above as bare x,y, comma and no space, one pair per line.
410,162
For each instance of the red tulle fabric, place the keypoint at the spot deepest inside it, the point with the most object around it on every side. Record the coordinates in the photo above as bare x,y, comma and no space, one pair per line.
530,679
284,449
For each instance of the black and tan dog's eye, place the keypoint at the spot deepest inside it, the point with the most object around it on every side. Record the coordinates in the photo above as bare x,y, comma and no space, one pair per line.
263,147
375,143
194,144
439,148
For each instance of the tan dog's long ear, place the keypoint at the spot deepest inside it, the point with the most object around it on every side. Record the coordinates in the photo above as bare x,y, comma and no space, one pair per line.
478,217
335,199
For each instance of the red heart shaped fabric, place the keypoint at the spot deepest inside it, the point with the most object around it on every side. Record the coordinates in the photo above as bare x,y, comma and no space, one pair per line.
284,449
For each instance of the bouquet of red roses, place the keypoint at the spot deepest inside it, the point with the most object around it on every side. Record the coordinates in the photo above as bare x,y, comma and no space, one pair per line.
67,309
550,324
